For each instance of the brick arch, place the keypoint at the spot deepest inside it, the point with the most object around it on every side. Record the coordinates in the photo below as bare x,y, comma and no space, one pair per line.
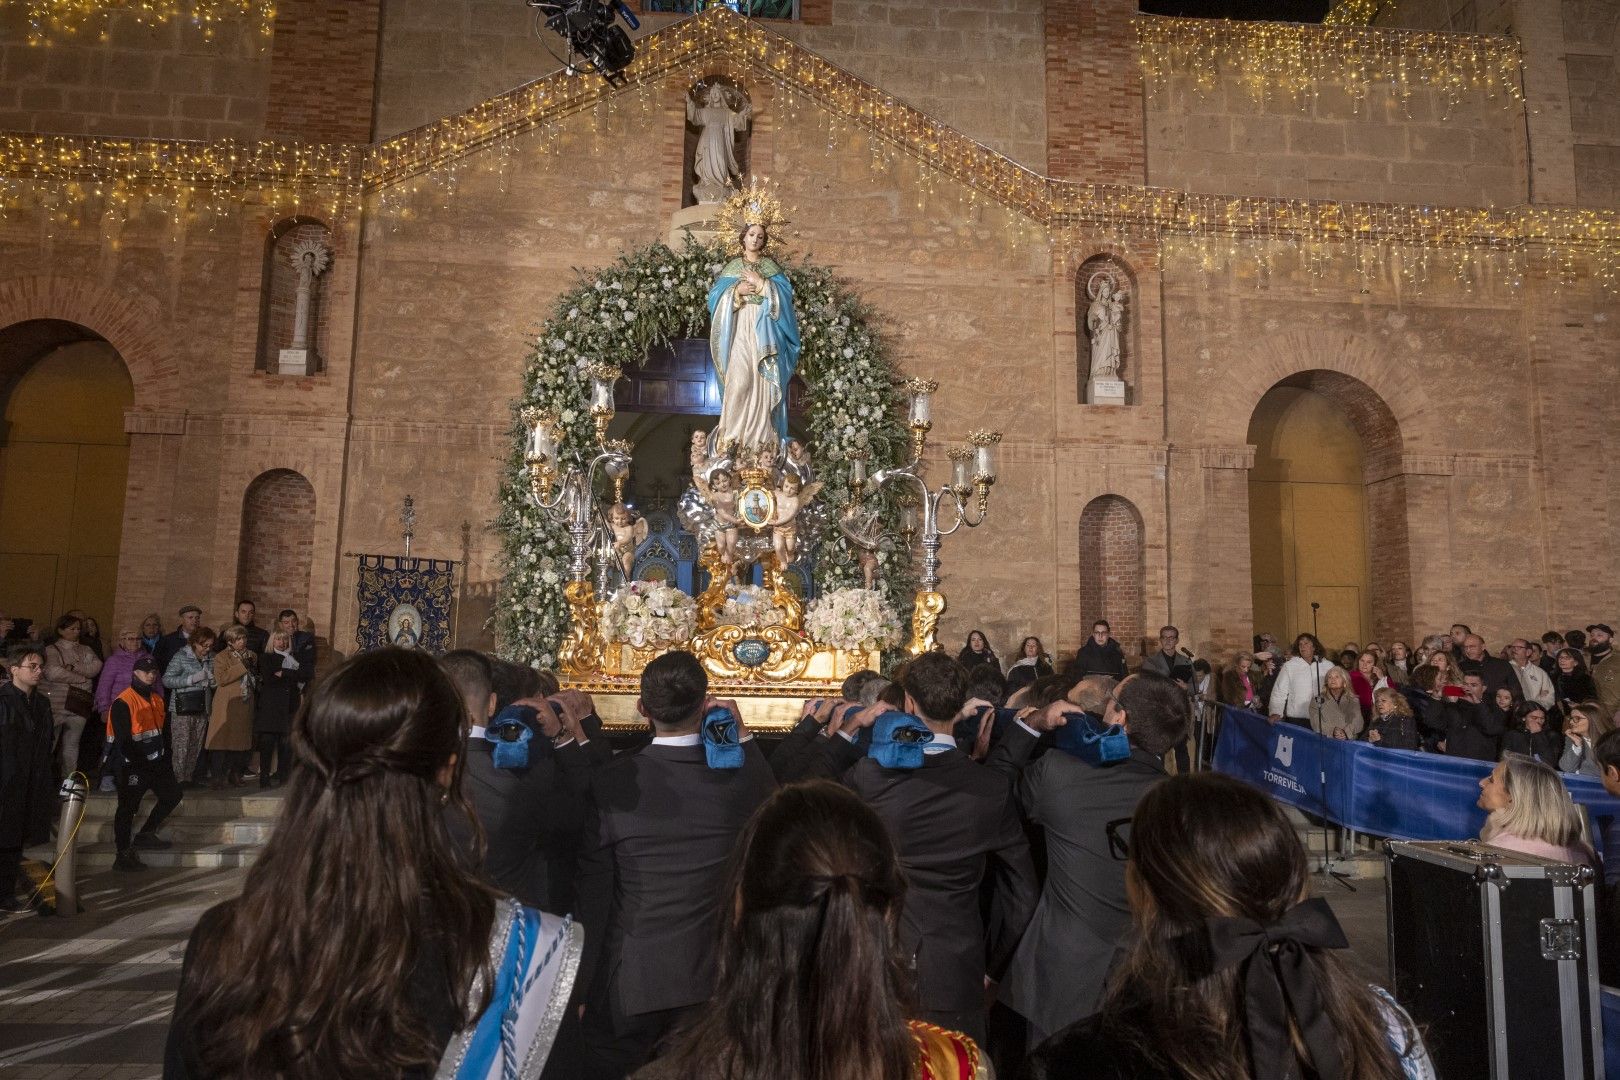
1382,397
277,541
1113,568
131,322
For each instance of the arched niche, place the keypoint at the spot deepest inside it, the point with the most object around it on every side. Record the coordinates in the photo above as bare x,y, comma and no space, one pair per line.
1113,568
278,541
1120,273
278,294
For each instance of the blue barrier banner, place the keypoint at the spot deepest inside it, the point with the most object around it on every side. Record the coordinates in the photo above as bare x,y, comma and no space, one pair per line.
1284,761
1402,794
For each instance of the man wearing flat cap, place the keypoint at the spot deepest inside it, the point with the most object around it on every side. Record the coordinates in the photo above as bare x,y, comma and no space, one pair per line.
169,644
1605,668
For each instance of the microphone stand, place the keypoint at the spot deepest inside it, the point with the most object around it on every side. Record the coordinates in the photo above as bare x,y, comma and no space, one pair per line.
1325,871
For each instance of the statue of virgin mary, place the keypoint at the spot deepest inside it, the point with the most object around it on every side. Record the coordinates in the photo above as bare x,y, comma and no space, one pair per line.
754,341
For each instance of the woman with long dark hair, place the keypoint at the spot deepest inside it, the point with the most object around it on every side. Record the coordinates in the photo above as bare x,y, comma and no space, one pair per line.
811,984
977,651
1233,970
1033,663
361,946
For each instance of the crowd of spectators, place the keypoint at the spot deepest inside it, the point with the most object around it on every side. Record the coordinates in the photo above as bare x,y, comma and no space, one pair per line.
213,703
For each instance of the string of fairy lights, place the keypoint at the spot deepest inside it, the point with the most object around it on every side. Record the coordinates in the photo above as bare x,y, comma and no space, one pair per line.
58,20
84,180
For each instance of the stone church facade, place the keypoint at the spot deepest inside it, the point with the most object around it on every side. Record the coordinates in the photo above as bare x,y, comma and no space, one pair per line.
1474,406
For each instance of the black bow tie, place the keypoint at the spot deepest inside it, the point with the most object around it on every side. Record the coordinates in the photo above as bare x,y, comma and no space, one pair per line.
1279,981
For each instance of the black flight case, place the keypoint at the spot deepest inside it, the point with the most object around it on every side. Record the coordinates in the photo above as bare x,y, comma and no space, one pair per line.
1494,955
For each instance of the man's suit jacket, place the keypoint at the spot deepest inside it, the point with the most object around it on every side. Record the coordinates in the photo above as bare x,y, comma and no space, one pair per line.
660,829
953,821
1057,975
303,651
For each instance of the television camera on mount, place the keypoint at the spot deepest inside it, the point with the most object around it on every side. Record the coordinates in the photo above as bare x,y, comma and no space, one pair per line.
595,40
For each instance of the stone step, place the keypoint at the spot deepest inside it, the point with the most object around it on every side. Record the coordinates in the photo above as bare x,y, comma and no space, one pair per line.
188,832
232,803
99,856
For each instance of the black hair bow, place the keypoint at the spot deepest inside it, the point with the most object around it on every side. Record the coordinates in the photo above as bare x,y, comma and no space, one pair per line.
1279,981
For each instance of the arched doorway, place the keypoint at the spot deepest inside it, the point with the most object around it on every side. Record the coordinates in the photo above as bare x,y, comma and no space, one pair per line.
64,463
1327,455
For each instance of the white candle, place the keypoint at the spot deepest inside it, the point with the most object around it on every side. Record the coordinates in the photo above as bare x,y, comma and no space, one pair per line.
921,408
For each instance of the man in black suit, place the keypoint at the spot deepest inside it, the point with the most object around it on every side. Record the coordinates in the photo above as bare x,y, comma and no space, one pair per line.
1495,672
257,636
1057,975
953,821
660,828
169,644
1467,727
509,800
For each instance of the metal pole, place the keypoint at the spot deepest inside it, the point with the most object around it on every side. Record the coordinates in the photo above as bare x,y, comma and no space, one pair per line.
64,874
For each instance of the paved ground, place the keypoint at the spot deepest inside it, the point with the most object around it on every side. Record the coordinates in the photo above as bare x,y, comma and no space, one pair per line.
90,996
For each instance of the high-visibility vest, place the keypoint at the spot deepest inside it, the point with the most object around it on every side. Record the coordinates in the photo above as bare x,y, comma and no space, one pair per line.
145,713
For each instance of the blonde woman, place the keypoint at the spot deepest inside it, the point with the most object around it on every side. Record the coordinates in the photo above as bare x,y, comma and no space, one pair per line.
1336,712
230,723
1393,726
1532,813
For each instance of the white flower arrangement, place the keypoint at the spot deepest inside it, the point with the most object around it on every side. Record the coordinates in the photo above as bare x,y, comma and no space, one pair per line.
649,613
855,620
749,607
844,359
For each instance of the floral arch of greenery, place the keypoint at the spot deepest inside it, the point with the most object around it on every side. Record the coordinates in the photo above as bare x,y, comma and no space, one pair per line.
653,296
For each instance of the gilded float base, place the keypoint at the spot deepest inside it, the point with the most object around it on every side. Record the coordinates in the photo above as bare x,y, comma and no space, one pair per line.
772,694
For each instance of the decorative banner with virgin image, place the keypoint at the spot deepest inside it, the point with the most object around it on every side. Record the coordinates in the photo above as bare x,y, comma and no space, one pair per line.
406,602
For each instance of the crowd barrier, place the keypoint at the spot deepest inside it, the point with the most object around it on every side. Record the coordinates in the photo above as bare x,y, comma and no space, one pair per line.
1401,794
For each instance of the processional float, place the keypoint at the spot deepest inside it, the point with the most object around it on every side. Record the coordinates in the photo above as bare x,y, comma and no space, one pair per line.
753,500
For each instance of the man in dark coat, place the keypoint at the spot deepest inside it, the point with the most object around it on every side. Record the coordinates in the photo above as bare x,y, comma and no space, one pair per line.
1056,976
1101,654
1495,671
956,827
1467,726
660,828
303,646
171,643
26,780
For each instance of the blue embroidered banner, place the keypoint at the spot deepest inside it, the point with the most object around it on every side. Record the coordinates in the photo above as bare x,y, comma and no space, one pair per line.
1402,794
406,602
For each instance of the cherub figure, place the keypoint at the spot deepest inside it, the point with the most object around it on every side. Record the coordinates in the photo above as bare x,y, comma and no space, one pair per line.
700,452
869,566
798,460
720,492
791,497
629,531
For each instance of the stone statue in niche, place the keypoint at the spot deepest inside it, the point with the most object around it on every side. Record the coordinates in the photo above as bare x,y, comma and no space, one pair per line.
310,257
1105,325
720,115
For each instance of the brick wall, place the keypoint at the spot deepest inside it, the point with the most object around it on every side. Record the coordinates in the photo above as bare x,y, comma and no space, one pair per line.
976,65
1334,147
162,82
278,538
1111,569
1093,92
323,72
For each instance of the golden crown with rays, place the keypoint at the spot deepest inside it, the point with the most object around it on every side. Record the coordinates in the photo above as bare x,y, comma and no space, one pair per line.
755,204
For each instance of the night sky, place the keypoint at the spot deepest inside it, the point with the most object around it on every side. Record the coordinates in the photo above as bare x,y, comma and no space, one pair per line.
1282,10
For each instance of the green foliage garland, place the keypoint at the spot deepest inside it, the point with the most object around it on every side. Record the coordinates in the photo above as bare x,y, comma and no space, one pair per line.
651,297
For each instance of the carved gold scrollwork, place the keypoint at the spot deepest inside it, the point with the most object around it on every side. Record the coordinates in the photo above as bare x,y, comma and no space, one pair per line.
781,594
583,650
924,620
714,597
790,654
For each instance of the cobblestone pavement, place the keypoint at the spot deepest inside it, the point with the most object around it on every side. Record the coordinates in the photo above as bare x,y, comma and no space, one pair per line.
89,996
